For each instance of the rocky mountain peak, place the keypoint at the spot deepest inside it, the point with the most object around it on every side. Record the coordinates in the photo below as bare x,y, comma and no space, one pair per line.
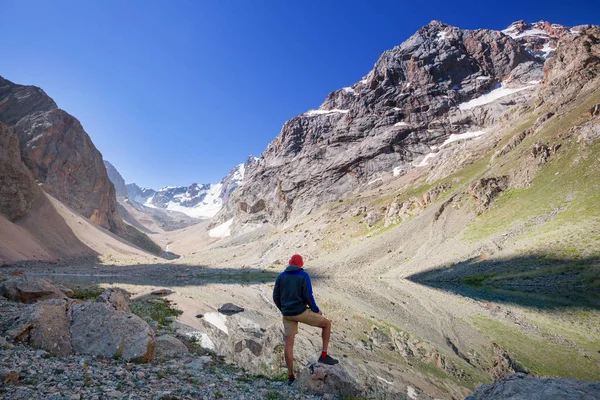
117,180
59,153
417,96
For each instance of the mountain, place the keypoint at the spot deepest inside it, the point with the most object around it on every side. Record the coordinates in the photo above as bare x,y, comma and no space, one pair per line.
138,194
49,164
443,84
116,179
195,200
59,153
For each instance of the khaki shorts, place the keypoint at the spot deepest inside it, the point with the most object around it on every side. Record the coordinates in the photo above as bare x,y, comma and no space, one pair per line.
308,317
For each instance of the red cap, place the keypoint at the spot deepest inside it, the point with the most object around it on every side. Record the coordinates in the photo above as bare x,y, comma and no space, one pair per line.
296,260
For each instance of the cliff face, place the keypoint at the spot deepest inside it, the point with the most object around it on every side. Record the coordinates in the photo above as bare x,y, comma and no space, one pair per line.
59,153
18,189
442,81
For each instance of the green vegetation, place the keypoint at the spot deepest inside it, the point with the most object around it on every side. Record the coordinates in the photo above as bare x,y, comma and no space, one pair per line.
542,356
154,308
86,292
141,240
478,279
564,192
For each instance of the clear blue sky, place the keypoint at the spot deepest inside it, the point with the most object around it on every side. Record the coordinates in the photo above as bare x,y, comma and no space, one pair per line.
175,92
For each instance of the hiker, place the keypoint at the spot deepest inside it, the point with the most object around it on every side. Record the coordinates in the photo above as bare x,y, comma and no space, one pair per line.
294,298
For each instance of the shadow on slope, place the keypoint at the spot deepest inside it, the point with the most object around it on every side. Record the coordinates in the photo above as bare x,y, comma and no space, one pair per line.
536,281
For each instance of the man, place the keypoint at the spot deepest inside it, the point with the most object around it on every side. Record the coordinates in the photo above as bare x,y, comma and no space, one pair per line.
294,298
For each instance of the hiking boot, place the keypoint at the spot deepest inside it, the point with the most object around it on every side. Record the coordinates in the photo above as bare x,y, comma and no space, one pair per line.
328,360
291,380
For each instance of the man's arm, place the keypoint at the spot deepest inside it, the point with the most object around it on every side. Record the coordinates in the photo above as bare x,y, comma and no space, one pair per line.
308,294
277,293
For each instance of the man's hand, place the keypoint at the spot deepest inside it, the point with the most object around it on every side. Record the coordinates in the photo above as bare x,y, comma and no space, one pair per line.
320,312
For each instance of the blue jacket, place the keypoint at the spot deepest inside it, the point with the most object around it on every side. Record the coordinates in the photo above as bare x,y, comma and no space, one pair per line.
293,292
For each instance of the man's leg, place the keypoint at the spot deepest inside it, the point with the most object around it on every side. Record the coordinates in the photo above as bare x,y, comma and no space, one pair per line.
325,325
289,354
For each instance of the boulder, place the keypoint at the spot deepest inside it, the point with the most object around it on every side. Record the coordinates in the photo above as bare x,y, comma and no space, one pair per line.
230,309
372,218
521,386
161,292
168,346
101,330
323,379
29,289
117,298
45,325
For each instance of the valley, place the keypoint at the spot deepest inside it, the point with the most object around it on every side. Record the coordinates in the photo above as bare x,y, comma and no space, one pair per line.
451,226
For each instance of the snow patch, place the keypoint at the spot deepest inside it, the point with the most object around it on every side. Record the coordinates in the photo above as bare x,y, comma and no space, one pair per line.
574,32
536,82
202,338
442,36
499,92
402,123
483,78
374,181
398,171
425,161
397,109
547,50
385,380
311,113
222,230
348,90
411,392
462,136
529,32
217,320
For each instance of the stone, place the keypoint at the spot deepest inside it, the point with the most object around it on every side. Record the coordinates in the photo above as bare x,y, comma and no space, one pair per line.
161,292
9,376
199,363
168,346
117,298
230,309
484,190
323,379
372,218
29,289
99,329
521,386
45,325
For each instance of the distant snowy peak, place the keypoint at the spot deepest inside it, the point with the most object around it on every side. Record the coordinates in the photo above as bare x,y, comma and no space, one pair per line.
138,194
196,200
235,178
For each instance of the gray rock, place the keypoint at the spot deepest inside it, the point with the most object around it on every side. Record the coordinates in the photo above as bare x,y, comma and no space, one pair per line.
45,325
522,387
161,292
328,379
101,330
168,346
117,298
372,218
29,288
230,309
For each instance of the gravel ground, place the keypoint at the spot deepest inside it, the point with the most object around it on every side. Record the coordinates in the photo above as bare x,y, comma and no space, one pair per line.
29,374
